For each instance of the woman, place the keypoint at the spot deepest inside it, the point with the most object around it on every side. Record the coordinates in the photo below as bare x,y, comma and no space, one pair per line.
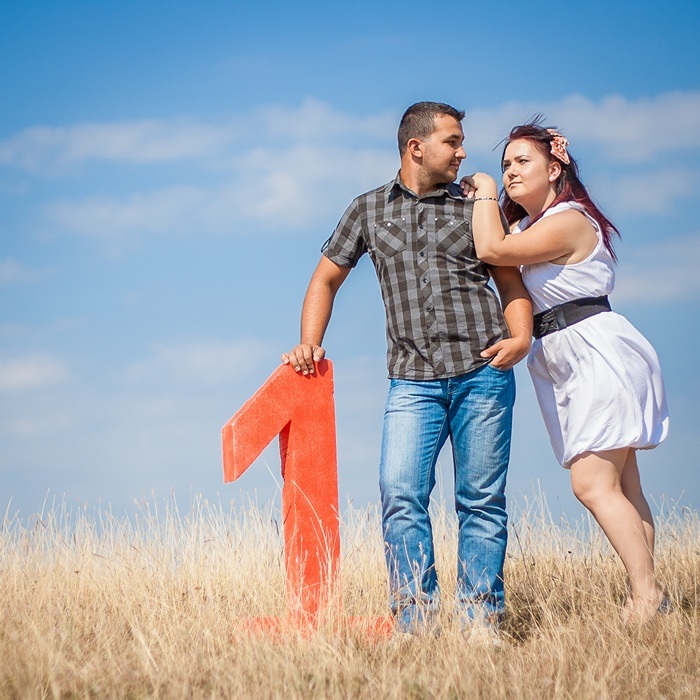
597,379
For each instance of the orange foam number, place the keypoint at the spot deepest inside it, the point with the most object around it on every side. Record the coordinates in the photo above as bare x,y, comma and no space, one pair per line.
301,411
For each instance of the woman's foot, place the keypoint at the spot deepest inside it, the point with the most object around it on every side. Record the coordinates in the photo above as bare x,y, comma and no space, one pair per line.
627,611
642,611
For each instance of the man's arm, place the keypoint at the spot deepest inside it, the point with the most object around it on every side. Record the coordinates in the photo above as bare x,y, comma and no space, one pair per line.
315,315
517,310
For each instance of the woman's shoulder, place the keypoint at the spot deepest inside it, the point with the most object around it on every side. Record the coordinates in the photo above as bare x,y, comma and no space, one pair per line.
572,214
578,216
519,226
565,206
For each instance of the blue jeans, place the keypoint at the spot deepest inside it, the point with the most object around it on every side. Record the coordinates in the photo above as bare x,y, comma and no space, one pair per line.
475,411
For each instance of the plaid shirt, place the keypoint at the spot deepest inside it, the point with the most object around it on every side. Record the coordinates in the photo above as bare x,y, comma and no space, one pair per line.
440,313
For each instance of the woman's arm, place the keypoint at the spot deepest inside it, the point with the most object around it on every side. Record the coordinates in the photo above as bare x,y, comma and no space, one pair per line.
565,237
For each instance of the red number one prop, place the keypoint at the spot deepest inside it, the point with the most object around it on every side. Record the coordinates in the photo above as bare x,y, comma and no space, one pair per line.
300,409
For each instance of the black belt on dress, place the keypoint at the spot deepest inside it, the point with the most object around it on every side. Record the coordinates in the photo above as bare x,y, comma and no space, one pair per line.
568,313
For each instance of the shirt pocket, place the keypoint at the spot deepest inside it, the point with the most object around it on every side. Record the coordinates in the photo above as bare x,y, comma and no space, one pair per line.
454,237
389,237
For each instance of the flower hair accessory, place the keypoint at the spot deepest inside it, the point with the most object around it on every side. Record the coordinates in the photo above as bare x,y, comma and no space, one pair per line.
559,145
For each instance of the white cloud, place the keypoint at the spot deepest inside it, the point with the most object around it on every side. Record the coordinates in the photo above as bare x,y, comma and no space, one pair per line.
627,130
653,191
13,272
47,149
317,121
291,168
635,130
33,427
272,189
44,148
210,362
661,272
107,217
305,183
31,372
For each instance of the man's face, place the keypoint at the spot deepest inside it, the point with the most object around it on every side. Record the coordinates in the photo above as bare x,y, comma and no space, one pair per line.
443,151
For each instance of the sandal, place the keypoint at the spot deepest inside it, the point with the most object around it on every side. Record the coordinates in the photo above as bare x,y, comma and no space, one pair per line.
665,607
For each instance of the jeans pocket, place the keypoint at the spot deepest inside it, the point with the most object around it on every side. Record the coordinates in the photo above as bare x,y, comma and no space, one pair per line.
499,369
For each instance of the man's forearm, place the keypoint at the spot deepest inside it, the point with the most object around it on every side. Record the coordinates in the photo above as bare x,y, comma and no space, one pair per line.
518,314
315,315
316,312
516,302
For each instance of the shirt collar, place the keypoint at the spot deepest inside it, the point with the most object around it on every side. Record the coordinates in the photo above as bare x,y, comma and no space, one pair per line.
450,189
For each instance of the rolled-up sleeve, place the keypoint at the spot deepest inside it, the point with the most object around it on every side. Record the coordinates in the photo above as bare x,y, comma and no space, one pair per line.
347,244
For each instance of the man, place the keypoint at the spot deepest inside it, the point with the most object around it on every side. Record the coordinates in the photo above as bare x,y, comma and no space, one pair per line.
450,357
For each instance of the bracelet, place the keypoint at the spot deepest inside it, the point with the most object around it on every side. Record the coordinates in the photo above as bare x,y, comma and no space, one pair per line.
481,199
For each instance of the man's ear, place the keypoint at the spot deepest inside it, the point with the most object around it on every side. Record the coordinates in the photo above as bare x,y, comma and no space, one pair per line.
415,147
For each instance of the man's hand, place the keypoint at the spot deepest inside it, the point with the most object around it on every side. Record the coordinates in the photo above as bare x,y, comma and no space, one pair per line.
517,311
303,356
508,352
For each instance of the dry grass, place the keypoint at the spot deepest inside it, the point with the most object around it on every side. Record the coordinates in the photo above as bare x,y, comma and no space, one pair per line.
95,606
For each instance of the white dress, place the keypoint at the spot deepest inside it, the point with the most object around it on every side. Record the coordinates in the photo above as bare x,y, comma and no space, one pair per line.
598,382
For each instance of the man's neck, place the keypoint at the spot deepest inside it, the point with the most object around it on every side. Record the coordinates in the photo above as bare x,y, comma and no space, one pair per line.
415,181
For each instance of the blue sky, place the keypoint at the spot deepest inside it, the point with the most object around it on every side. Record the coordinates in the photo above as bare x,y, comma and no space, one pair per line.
169,170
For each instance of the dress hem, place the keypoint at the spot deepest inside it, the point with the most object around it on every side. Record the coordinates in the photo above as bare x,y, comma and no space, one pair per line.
567,465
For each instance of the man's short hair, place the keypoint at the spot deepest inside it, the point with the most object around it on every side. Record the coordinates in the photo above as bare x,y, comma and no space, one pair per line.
418,121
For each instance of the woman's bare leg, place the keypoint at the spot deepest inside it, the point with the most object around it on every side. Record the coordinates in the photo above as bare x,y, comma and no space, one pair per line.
632,488
596,479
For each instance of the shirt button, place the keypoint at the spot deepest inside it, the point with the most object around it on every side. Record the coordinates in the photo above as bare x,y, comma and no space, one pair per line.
424,280
428,308
421,254
421,226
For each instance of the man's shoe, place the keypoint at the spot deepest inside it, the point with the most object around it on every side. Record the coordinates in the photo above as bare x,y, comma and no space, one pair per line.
482,634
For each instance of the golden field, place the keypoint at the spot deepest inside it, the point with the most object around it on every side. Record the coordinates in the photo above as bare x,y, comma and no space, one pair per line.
152,605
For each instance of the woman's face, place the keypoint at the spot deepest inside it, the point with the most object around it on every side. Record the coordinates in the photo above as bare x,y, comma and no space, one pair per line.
529,177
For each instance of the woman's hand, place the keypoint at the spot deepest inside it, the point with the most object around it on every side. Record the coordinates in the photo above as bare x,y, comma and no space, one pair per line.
479,185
